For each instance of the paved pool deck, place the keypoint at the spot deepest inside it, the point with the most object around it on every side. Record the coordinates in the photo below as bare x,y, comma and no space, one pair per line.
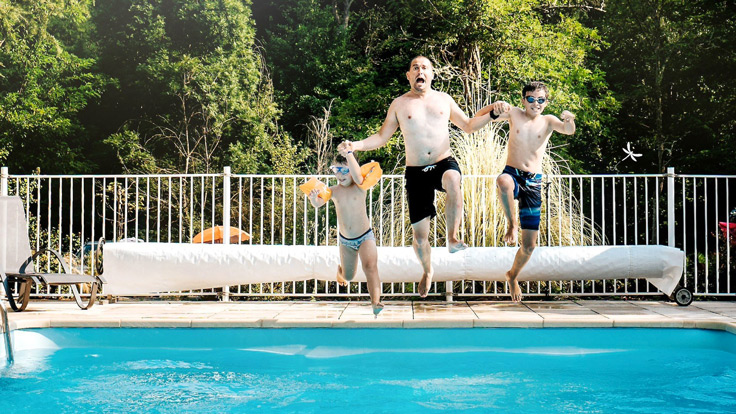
404,314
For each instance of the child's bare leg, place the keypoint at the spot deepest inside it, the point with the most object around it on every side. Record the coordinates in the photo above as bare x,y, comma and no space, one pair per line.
528,243
369,261
451,180
340,278
348,263
505,185
423,251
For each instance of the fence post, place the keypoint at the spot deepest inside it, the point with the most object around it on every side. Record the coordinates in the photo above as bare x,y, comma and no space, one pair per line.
226,221
3,181
671,206
448,291
3,192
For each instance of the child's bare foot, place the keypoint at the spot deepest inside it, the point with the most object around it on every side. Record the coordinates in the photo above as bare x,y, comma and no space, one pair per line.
377,308
514,288
340,279
425,283
456,246
511,235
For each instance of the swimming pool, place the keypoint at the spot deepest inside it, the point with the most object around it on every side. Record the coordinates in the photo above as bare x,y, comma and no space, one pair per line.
371,370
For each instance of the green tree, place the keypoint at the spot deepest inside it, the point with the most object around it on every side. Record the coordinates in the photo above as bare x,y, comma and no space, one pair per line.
361,65
46,81
192,94
669,65
501,45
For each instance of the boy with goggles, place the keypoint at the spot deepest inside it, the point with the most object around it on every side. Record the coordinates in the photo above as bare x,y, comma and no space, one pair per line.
529,133
355,238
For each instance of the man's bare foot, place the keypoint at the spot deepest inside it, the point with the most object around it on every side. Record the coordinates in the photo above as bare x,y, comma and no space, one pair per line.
514,288
511,235
457,246
340,279
377,308
425,284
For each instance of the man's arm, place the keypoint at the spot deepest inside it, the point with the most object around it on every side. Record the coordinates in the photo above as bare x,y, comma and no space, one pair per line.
498,111
468,125
566,125
380,138
487,114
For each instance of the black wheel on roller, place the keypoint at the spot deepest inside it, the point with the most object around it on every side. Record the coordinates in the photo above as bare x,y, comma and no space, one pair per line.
683,296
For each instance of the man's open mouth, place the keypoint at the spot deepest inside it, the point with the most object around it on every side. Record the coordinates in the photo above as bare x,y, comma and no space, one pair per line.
420,80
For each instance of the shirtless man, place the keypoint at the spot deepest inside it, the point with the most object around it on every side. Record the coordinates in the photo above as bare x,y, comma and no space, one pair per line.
522,177
423,115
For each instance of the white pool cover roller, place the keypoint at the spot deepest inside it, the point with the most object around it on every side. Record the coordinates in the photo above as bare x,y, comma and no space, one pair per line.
141,268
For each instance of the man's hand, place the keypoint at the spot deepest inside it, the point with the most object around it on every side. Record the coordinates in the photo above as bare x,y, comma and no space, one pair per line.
567,116
345,147
500,107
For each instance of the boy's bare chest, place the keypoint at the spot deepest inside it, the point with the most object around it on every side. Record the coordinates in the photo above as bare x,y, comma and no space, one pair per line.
530,131
349,197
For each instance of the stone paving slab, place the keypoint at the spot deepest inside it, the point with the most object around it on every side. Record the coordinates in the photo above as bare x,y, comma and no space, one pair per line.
352,314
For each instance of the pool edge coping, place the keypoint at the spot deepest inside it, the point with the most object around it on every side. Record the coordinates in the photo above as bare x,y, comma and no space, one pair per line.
266,323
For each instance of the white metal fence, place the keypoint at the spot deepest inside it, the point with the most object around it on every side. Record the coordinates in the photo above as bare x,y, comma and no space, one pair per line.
691,212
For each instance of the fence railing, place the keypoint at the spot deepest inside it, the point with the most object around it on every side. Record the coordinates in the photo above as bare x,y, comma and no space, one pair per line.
691,212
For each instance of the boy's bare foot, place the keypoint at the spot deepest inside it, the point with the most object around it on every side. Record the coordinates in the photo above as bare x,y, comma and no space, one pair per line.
514,288
377,308
425,283
340,279
457,246
511,235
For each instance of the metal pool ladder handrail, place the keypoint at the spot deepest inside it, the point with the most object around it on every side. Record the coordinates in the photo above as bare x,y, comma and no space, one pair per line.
6,330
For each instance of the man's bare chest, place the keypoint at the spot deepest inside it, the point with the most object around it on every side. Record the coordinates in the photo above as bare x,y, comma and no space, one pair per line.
423,113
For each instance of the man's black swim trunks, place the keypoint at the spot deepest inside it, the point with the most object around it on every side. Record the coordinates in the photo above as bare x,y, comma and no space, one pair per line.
421,183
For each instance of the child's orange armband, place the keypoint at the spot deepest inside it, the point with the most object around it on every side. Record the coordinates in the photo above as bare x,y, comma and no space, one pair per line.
324,191
371,173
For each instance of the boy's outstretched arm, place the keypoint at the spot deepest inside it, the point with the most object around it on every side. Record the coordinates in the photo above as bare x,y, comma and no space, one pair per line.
565,124
315,199
347,152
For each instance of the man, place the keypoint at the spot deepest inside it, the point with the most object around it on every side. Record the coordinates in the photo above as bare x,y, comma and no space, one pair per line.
423,115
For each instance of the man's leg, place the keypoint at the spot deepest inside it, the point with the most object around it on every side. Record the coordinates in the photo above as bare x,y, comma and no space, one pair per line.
528,243
423,252
505,184
451,180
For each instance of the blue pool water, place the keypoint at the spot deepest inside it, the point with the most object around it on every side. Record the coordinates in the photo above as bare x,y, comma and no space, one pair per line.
371,371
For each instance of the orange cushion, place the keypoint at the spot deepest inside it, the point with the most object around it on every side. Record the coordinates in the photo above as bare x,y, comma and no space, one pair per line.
371,174
324,191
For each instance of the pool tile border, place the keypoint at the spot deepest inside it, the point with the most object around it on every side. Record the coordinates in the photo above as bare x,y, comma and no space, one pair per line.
404,315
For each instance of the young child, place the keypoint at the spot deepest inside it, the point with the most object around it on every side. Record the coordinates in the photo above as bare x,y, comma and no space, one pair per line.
356,237
522,177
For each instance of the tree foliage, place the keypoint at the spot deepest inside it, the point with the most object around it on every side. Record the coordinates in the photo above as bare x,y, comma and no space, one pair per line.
192,85
669,65
46,80
508,42
191,88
